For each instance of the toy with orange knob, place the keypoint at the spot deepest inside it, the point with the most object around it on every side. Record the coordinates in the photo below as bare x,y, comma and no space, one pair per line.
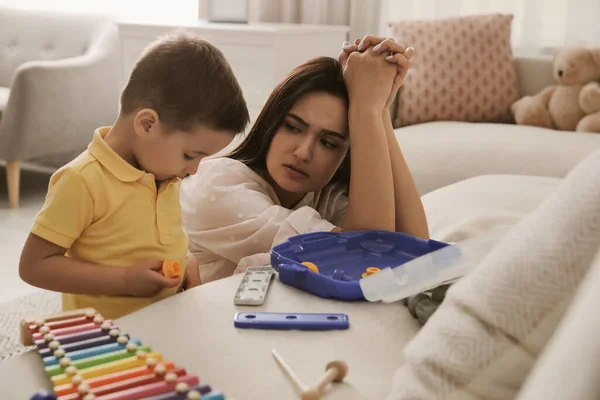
311,266
171,269
370,271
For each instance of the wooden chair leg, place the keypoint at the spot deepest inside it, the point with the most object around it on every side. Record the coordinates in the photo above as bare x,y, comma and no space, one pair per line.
13,176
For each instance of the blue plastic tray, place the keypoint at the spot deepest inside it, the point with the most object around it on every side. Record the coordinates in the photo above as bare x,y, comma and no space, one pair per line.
342,258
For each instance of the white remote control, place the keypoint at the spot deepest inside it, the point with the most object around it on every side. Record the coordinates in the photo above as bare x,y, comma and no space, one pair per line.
253,287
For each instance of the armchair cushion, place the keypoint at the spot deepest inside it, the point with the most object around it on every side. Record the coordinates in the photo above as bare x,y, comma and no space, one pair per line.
64,81
56,36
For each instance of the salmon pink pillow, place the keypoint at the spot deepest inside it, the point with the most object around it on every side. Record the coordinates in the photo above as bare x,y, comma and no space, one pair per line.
463,70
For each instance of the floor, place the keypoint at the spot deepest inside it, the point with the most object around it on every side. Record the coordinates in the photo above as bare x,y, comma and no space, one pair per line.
14,228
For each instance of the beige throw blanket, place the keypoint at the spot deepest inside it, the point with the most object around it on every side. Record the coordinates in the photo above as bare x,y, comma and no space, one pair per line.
488,333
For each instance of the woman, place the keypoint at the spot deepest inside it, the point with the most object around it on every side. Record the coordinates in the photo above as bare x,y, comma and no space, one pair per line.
293,173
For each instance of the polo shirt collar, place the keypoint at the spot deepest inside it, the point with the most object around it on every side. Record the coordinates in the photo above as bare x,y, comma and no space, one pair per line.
110,160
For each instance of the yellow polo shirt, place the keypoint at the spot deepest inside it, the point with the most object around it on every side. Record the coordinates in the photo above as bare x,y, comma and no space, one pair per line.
105,211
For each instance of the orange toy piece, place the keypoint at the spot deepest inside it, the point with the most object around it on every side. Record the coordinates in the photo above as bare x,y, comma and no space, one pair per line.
171,269
370,271
311,266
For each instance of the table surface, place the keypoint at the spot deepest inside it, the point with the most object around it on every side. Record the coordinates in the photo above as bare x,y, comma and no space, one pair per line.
195,330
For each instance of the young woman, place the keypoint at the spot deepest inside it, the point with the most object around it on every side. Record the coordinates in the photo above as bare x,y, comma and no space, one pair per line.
322,156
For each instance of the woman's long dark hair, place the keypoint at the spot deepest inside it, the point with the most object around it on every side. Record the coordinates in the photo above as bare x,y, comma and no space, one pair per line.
323,74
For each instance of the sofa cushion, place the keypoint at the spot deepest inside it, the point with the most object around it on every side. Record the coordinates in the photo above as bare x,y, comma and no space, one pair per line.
4,92
441,153
463,70
480,205
494,323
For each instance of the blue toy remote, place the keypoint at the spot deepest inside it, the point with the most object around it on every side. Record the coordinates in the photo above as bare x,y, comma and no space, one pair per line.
291,321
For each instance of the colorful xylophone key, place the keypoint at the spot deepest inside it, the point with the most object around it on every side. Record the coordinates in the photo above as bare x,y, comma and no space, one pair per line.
82,344
115,366
116,377
202,390
60,353
94,361
179,384
116,387
65,323
33,324
48,341
87,326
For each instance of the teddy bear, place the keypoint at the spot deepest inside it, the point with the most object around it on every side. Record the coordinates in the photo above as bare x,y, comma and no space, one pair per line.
573,104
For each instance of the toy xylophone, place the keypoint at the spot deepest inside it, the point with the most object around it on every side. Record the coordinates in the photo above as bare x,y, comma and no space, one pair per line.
87,357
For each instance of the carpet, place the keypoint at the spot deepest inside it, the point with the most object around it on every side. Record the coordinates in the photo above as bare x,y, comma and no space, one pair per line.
13,311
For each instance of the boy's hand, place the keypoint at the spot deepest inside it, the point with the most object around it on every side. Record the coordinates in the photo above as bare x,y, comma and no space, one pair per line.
144,279
192,273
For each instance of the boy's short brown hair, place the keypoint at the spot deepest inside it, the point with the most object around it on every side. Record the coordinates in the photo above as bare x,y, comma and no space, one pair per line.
187,81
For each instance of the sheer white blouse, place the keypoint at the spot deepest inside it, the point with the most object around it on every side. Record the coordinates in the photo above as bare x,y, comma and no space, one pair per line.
233,217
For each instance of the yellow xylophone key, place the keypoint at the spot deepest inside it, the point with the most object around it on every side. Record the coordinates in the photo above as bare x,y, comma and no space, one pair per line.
107,368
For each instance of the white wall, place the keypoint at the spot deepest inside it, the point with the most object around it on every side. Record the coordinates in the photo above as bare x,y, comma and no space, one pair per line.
536,23
145,10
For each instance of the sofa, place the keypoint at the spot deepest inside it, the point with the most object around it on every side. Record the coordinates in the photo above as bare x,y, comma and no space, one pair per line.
506,330
441,153
476,177
59,80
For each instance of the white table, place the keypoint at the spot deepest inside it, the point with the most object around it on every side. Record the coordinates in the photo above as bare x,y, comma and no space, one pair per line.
195,330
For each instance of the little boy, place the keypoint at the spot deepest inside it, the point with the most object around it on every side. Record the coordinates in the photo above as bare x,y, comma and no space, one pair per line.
112,215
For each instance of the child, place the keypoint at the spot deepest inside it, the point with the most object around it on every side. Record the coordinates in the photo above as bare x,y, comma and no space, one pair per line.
112,215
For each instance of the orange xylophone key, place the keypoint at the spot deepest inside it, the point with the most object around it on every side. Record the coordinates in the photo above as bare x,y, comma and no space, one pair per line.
111,378
125,384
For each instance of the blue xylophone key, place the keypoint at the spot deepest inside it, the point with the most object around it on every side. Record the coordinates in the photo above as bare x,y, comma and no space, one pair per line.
91,352
43,395
202,389
213,396
84,344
